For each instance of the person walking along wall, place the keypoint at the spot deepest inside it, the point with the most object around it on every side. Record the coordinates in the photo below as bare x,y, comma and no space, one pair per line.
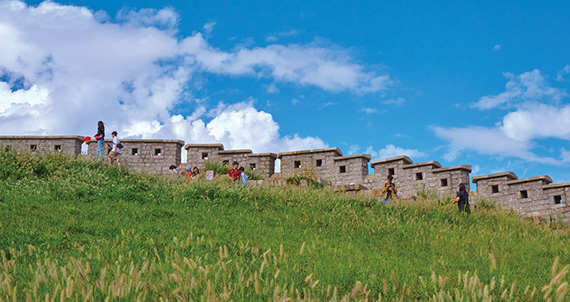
462,199
115,153
100,137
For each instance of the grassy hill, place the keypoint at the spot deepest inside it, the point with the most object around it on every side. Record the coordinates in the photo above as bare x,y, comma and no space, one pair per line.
73,229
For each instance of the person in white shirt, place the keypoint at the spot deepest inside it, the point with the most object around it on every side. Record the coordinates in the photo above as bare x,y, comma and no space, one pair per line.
115,154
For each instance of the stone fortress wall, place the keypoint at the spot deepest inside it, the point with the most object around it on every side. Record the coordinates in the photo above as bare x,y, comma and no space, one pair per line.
530,197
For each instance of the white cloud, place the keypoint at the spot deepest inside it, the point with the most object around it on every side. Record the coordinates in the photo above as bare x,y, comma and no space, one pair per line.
294,101
538,116
565,154
397,102
537,121
275,36
65,67
486,141
369,110
497,47
208,29
393,151
165,18
272,88
530,86
564,71
514,137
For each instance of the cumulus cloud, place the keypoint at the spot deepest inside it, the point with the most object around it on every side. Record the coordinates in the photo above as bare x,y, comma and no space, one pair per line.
64,67
530,86
497,47
241,126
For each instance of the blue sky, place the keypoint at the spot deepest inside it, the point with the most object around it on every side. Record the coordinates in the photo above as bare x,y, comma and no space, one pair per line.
468,82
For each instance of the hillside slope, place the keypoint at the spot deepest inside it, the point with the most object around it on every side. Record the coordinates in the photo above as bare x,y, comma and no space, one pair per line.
80,230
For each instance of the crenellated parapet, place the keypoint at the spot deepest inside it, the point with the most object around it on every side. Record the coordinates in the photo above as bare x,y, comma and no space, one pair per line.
198,154
410,177
531,197
54,144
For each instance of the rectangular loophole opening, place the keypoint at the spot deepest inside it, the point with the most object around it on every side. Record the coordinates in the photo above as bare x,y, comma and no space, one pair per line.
226,162
57,148
524,194
319,162
342,169
419,176
297,164
391,171
558,199
495,189
33,147
444,182
135,151
158,152
252,166
205,155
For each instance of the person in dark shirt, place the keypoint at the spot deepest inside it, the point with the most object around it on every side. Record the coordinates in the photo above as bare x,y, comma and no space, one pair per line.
462,199
100,137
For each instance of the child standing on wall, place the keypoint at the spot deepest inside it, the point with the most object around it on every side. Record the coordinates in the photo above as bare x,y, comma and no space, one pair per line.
389,190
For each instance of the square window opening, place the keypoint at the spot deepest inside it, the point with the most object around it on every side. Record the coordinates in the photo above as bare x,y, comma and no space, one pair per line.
297,164
342,169
495,189
205,155
226,162
158,152
57,148
558,199
252,166
319,162
419,176
391,171
33,147
444,182
135,151
524,194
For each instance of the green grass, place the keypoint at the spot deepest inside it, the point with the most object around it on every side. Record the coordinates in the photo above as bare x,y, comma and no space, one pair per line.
81,230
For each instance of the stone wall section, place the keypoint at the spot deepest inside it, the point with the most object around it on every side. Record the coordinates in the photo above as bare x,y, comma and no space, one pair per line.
262,163
52,144
198,154
150,155
390,166
317,163
351,169
530,197
410,177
